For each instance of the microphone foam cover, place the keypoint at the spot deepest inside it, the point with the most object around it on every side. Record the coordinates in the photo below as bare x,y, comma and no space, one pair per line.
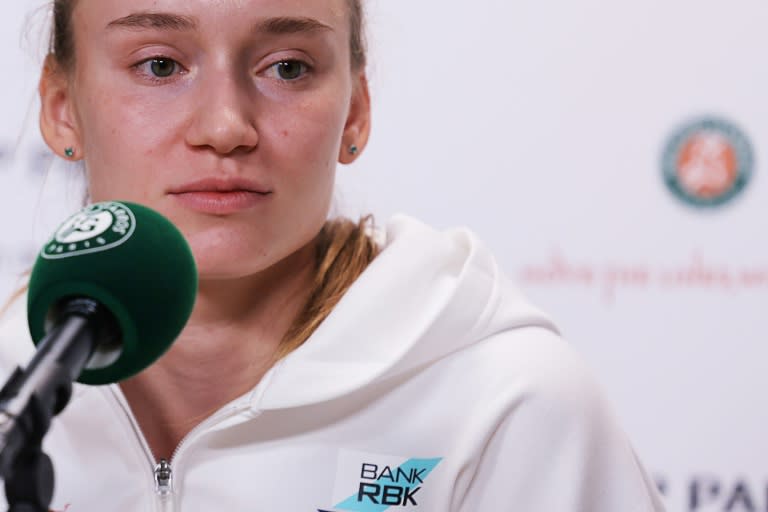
134,262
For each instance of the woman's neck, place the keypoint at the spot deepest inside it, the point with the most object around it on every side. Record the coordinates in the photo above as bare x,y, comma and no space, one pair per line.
225,349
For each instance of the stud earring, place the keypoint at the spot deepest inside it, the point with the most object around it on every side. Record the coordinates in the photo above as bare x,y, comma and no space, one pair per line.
69,152
353,149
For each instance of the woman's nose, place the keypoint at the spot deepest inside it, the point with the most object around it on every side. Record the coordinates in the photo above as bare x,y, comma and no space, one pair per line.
224,118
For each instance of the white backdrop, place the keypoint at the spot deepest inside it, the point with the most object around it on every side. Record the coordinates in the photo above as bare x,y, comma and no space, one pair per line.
542,126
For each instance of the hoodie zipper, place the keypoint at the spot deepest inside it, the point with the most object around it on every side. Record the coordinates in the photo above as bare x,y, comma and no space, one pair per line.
163,471
164,485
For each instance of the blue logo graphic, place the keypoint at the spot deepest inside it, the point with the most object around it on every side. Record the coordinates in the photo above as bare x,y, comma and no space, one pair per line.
384,487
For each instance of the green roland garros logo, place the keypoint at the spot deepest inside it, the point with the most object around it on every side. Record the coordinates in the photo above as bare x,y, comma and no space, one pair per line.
98,227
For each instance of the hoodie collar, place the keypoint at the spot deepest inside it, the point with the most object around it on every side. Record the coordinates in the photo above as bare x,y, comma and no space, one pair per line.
426,295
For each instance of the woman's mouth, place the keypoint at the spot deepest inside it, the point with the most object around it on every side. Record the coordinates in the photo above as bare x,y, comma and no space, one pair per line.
221,197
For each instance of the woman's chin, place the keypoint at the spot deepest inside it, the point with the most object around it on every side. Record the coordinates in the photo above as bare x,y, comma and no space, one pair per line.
225,268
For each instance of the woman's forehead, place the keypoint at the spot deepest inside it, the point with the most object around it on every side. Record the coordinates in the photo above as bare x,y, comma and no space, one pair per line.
98,14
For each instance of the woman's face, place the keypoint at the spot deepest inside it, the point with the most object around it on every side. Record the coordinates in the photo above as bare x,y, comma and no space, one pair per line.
227,116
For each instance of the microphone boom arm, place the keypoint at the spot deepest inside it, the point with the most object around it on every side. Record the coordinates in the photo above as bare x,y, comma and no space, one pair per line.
31,397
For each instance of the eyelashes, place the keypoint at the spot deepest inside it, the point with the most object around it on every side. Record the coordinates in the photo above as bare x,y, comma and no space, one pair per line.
163,68
159,69
290,70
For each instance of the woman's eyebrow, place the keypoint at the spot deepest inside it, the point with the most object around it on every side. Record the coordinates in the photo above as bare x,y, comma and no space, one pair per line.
170,21
158,20
290,25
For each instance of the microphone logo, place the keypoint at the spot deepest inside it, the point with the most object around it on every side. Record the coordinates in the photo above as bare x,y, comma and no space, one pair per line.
96,228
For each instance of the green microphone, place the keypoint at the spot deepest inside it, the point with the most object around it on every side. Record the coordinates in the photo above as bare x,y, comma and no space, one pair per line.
109,293
131,263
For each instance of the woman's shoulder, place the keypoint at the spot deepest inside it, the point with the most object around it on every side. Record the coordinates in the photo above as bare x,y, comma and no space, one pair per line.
539,367
552,440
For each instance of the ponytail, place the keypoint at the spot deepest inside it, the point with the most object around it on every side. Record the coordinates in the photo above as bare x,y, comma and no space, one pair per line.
344,251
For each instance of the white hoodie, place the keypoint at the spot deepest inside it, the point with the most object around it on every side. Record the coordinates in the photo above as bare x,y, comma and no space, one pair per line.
432,387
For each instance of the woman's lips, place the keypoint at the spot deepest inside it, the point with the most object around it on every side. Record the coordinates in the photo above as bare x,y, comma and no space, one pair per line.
218,196
217,202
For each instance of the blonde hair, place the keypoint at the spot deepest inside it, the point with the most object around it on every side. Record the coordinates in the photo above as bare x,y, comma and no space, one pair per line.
344,251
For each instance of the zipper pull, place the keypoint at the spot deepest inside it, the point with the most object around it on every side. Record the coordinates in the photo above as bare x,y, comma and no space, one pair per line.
163,478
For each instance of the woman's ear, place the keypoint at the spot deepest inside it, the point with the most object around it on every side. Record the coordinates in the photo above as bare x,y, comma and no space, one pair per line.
57,121
358,126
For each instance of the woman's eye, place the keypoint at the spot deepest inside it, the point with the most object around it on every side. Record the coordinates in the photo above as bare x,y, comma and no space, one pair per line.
158,68
290,69
163,68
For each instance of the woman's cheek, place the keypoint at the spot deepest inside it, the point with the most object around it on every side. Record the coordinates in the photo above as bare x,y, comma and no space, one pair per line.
316,127
121,167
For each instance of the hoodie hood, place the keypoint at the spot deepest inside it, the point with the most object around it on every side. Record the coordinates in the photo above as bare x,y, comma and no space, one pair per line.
428,294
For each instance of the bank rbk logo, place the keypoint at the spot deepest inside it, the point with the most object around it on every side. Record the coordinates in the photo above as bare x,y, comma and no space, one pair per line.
380,486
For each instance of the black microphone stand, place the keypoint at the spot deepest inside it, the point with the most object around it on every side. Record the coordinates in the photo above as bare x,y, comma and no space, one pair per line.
31,397
26,469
